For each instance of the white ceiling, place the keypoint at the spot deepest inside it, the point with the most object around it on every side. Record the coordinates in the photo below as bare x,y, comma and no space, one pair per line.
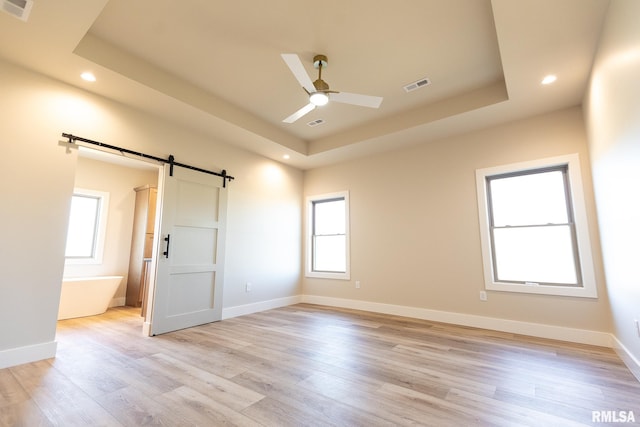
215,65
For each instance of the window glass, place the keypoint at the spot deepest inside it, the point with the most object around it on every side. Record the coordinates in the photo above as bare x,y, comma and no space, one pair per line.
537,255
537,198
87,227
83,226
329,254
329,217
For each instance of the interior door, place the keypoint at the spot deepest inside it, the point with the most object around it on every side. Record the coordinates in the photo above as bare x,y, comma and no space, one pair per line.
190,259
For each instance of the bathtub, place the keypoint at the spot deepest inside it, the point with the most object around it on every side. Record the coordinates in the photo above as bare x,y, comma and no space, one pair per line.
86,296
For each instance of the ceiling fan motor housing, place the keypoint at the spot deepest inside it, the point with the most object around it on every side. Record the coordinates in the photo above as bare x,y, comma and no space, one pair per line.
321,85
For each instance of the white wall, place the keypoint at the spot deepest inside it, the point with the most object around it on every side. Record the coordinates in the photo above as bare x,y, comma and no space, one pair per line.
37,174
612,111
415,239
119,181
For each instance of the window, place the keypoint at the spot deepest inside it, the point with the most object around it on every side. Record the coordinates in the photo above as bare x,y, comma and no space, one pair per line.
533,228
87,227
328,236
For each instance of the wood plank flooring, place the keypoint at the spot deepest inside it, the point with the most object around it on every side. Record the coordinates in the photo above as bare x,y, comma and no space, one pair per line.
307,365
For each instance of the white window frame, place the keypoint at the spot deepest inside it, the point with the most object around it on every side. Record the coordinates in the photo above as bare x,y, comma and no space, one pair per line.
101,229
309,272
587,288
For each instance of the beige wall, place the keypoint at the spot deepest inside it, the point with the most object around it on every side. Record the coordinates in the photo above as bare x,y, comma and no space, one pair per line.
37,181
37,175
612,111
414,224
119,181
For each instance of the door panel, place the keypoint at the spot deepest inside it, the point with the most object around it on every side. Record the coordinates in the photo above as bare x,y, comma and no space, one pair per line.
188,289
194,245
197,203
183,286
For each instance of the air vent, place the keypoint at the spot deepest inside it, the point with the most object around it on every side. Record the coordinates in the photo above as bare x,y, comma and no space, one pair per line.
315,122
417,85
18,8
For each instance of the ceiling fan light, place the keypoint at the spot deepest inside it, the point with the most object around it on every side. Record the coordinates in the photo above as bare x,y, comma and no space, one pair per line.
319,98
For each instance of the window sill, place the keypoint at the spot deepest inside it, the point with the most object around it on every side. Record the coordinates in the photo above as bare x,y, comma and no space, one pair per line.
567,291
328,275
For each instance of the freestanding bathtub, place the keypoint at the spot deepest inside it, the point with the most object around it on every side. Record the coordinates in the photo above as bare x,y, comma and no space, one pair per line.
86,296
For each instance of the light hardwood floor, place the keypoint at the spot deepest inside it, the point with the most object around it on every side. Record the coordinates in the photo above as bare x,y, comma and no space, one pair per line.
311,365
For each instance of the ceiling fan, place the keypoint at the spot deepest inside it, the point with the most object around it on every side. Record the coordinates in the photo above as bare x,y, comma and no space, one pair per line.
318,91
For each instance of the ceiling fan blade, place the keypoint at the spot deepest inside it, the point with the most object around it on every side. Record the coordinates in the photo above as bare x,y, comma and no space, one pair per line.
356,99
301,112
295,65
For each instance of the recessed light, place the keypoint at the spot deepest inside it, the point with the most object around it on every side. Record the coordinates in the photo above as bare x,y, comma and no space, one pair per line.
286,157
87,76
549,79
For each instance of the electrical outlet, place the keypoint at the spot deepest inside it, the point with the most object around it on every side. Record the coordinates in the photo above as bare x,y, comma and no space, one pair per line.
247,287
357,284
637,326
483,295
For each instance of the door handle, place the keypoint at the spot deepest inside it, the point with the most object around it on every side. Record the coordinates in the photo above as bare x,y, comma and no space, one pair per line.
166,239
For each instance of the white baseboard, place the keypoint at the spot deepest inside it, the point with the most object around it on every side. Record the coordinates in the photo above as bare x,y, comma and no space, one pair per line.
27,354
146,329
539,330
118,302
629,359
241,310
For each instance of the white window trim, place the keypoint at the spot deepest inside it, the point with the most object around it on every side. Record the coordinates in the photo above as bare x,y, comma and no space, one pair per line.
309,216
102,228
588,288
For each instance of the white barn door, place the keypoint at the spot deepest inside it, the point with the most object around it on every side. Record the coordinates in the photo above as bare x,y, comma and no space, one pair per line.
190,259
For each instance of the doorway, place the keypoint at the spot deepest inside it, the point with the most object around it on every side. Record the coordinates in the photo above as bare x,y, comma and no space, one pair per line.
117,177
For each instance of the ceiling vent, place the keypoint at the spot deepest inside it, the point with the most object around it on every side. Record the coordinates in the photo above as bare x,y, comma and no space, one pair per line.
18,8
417,85
315,122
